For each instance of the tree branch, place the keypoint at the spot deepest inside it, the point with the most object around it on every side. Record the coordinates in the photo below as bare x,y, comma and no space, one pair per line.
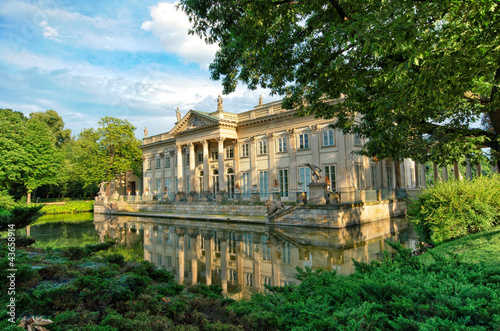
343,16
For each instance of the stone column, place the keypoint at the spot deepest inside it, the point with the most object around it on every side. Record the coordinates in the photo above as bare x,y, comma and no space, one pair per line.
237,164
223,264
180,175
385,180
436,173
194,261
222,176
479,169
181,258
417,184
456,171
444,170
144,178
192,171
256,268
423,176
293,160
208,260
206,168
468,170
253,163
162,169
315,145
271,165
153,174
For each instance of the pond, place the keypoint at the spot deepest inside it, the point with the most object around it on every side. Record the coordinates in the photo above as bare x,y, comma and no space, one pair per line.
242,258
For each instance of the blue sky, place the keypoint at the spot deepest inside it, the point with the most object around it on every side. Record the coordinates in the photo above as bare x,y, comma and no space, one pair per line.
89,59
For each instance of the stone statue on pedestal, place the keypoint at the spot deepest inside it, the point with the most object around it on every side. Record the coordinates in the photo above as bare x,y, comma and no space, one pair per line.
315,173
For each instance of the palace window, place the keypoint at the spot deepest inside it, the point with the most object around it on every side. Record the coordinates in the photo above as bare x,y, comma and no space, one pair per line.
245,180
304,141
187,157
304,179
247,245
264,184
359,176
390,182
286,256
248,279
262,147
215,155
245,150
328,137
158,160
158,260
266,249
357,140
229,152
188,188
200,157
167,185
330,176
215,181
169,261
167,161
282,144
158,185
283,182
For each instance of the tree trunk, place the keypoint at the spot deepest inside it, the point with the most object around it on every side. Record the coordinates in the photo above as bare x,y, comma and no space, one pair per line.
28,199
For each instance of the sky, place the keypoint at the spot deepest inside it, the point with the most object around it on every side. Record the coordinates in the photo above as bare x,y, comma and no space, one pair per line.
127,59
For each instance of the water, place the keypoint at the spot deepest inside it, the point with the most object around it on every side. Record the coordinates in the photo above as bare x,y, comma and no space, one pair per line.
240,257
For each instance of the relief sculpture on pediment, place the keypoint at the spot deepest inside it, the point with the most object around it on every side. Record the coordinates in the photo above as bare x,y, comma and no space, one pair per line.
195,122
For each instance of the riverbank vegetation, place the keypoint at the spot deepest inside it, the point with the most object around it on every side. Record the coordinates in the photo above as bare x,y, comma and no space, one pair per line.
68,207
91,288
40,156
454,209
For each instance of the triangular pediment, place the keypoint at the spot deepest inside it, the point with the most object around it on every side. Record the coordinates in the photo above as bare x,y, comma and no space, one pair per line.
194,120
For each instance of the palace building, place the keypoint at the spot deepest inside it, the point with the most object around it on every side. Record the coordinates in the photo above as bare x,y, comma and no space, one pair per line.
262,150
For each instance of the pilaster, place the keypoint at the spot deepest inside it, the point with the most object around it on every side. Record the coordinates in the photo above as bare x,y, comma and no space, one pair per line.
192,169
222,176
179,169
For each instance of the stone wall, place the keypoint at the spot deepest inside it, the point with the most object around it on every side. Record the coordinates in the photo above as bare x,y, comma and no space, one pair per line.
343,215
203,208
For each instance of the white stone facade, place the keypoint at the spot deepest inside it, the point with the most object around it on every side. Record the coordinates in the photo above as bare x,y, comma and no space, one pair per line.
262,150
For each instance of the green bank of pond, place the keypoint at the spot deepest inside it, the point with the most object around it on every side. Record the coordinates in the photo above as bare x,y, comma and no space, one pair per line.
89,288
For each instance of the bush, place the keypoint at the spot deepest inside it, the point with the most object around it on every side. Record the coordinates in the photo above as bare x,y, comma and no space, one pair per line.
69,207
456,208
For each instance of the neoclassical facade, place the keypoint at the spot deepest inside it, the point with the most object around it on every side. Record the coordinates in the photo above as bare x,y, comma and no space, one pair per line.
262,150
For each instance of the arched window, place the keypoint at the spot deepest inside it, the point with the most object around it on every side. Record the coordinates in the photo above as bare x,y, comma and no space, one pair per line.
230,183
201,182
215,181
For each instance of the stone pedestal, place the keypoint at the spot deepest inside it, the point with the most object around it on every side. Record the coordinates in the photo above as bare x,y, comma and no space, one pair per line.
301,198
221,197
255,196
318,194
334,198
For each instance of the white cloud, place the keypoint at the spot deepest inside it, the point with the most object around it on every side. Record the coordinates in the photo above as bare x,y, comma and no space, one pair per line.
48,31
171,27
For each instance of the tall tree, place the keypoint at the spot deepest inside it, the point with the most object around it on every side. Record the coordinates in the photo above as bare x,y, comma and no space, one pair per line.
420,73
56,124
30,158
109,151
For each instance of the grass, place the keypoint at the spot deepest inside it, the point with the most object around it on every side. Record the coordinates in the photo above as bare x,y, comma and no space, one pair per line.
481,247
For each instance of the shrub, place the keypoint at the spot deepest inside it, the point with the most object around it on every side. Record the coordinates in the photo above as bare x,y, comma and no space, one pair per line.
456,208
69,207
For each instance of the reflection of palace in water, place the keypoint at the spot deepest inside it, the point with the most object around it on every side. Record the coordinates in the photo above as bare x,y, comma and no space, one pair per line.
244,258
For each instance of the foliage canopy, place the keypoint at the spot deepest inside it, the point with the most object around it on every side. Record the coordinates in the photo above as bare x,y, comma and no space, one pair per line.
103,153
420,73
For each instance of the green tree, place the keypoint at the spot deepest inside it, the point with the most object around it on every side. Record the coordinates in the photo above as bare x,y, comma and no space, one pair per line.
56,125
30,158
420,73
109,151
